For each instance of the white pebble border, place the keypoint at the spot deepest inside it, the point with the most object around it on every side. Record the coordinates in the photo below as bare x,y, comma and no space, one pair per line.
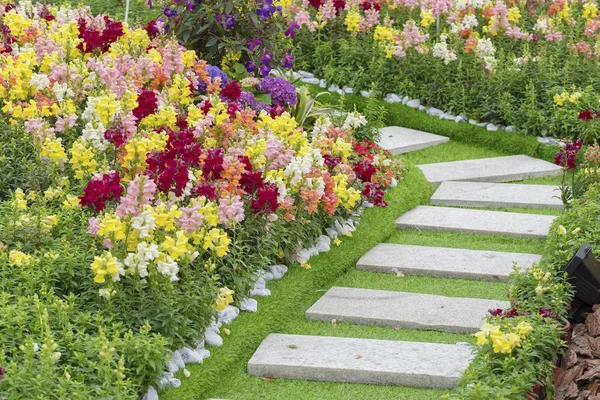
310,78
184,356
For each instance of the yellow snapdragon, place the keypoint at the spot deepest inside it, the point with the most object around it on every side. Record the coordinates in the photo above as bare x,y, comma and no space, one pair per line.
426,18
106,265
352,20
224,298
19,259
82,160
52,148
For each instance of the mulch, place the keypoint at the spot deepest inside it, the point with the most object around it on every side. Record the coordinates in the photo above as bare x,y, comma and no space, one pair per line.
578,376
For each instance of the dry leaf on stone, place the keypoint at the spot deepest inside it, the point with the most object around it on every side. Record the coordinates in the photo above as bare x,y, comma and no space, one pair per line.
293,346
268,380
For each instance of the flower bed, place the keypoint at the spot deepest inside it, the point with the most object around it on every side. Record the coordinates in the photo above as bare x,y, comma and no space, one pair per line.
530,65
159,190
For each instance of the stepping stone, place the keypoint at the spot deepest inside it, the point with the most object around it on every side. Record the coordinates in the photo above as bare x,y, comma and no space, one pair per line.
382,362
398,140
497,169
444,262
496,195
402,310
484,222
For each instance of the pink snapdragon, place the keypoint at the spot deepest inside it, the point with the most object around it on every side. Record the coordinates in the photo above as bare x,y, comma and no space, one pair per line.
231,209
135,200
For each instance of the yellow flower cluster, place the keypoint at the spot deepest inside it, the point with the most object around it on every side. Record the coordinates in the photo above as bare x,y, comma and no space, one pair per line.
347,196
82,160
514,14
19,259
503,342
224,298
53,149
426,18
352,20
590,11
560,99
106,265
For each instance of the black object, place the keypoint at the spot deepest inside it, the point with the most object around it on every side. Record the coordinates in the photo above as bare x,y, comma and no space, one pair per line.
584,274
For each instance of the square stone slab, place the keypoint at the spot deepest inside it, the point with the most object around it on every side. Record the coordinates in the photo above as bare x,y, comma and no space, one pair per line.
496,169
445,219
398,140
380,362
496,195
402,310
444,262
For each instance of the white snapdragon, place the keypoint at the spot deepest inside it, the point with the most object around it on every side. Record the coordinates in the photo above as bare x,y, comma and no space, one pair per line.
39,81
442,51
169,268
62,91
93,134
354,120
144,223
322,125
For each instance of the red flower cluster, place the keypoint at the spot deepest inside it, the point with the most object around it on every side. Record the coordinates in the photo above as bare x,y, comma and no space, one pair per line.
213,164
331,161
152,29
169,168
100,190
374,194
147,104
588,115
115,135
276,111
367,5
94,39
206,189
364,170
232,91
567,156
266,199
498,312
546,313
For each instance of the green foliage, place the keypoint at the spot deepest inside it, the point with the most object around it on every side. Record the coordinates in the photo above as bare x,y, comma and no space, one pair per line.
207,29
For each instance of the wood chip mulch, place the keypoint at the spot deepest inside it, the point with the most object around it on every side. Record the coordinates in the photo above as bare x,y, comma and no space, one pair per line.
578,376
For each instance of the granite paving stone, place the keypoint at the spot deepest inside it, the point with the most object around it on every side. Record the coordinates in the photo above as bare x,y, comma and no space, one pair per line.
446,219
382,362
444,262
400,140
496,195
495,169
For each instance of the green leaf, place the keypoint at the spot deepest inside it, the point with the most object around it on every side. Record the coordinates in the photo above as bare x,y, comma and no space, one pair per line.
266,98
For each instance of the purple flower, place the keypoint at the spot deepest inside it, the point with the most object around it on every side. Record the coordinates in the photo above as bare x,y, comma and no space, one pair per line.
252,44
247,99
213,72
291,30
170,12
250,66
229,22
282,92
266,9
149,3
287,60
2,372
265,69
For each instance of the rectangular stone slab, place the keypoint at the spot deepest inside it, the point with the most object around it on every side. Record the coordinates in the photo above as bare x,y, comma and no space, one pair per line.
381,362
496,169
446,219
444,262
402,310
496,195
398,140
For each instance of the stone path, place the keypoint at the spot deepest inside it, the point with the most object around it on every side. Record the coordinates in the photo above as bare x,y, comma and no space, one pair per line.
382,362
496,195
483,222
421,364
402,310
497,169
398,140
444,262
